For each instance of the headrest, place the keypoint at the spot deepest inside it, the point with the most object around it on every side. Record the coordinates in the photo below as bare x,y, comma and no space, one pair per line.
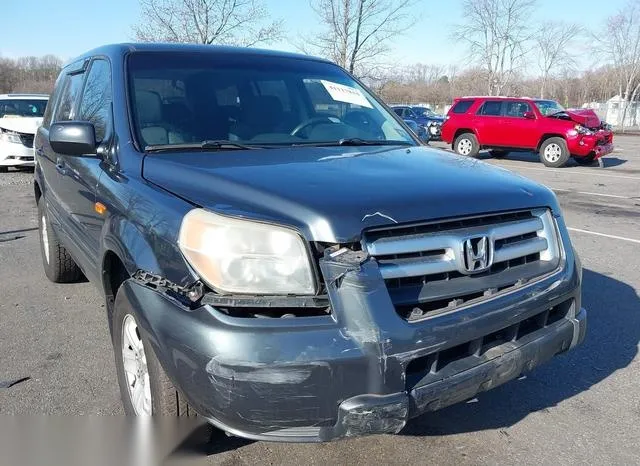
149,107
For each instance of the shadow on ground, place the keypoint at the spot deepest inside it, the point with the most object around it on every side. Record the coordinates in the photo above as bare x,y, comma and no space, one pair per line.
613,333
532,157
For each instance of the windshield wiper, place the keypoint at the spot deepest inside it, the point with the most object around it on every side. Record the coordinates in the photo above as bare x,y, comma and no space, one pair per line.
355,142
209,144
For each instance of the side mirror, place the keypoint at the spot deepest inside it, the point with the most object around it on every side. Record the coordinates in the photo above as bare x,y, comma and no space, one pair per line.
73,138
529,115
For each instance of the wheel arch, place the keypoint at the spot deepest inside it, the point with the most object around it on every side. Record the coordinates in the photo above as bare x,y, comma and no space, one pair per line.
461,131
546,136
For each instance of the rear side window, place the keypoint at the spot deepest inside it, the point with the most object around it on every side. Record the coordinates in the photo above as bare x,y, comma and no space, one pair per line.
96,98
70,91
491,108
462,106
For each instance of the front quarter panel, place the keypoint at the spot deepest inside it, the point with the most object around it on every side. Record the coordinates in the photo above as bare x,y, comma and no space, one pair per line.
142,226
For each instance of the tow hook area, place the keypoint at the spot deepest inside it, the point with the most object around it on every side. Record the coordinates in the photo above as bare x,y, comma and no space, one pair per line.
373,414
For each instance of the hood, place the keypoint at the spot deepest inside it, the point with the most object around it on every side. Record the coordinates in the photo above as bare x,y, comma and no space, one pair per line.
28,125
331,194
585,117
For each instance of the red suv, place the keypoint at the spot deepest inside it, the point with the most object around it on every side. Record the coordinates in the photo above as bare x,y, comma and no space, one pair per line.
505,124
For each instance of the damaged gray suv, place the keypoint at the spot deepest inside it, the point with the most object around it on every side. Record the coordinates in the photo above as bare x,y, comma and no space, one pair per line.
279,253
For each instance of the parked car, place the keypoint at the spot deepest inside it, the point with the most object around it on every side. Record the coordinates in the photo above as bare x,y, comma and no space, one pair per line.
422,133
285,273
423,116
20,116
505,124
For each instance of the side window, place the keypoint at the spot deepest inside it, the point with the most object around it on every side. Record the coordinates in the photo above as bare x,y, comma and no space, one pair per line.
491,108
399,111
95,105
48,112
462,106
70,92
516,109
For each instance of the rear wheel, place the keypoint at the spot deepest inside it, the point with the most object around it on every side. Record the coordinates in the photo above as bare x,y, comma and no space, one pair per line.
498,153
4,169
466,144
588,160
145,388
59,266
554,152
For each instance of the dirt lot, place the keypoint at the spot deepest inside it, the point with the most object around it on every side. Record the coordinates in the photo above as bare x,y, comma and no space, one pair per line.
583,407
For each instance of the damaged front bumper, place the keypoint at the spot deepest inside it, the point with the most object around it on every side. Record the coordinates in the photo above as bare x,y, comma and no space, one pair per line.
360,370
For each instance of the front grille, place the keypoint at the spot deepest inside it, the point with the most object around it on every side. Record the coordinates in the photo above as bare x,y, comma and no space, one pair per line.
426,267
27,140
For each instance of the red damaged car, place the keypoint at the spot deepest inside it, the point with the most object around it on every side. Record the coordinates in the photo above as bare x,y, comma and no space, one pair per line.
505,124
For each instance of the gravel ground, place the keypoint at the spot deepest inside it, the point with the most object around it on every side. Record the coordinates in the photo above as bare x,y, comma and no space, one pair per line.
581,408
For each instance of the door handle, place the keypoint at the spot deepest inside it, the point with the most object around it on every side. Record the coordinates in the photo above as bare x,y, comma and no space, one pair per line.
61,167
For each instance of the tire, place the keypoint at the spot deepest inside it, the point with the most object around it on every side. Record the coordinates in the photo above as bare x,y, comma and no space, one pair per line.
498,153
586,161
4,169
554,153
466,144
163,398
59,266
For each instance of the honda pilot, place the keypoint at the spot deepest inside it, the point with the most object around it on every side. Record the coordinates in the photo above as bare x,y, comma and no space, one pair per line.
280,255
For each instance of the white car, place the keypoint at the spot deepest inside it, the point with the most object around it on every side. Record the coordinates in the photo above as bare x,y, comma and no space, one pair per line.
20,116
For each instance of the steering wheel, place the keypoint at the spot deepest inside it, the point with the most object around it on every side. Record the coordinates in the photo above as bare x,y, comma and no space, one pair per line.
310,122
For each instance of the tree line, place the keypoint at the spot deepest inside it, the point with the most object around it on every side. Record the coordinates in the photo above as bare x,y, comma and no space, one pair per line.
507,52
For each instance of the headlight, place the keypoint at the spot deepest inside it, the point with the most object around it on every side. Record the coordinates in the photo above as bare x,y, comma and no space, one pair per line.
241,256
584,131
10,137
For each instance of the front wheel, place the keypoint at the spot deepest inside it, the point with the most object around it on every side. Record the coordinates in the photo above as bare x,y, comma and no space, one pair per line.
145,388
467,144
554,152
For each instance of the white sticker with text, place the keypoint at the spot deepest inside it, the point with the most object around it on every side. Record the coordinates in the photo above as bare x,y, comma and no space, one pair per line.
350,95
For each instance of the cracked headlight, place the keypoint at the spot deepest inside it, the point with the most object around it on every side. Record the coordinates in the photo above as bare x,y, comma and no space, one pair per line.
242,256
10,137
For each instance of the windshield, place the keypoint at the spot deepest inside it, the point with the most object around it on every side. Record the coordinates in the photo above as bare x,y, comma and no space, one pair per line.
549,107
22,107
180,98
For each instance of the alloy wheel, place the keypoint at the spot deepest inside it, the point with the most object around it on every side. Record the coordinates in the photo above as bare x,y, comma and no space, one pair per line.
135,367
552,152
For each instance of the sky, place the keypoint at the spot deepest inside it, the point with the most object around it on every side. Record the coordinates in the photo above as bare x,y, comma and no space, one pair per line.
67,28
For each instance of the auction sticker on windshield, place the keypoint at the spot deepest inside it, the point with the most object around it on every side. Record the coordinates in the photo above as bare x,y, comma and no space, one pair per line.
341,93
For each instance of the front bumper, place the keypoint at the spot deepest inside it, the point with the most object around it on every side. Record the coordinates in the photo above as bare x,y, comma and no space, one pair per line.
597,145
15,155
363,369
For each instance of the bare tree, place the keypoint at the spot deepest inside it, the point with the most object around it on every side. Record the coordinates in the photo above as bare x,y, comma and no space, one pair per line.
553,41
498,37
356,33
621,46
230,22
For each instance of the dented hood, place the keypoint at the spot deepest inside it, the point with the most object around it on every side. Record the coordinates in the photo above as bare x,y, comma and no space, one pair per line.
28,125
331,194
585,117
